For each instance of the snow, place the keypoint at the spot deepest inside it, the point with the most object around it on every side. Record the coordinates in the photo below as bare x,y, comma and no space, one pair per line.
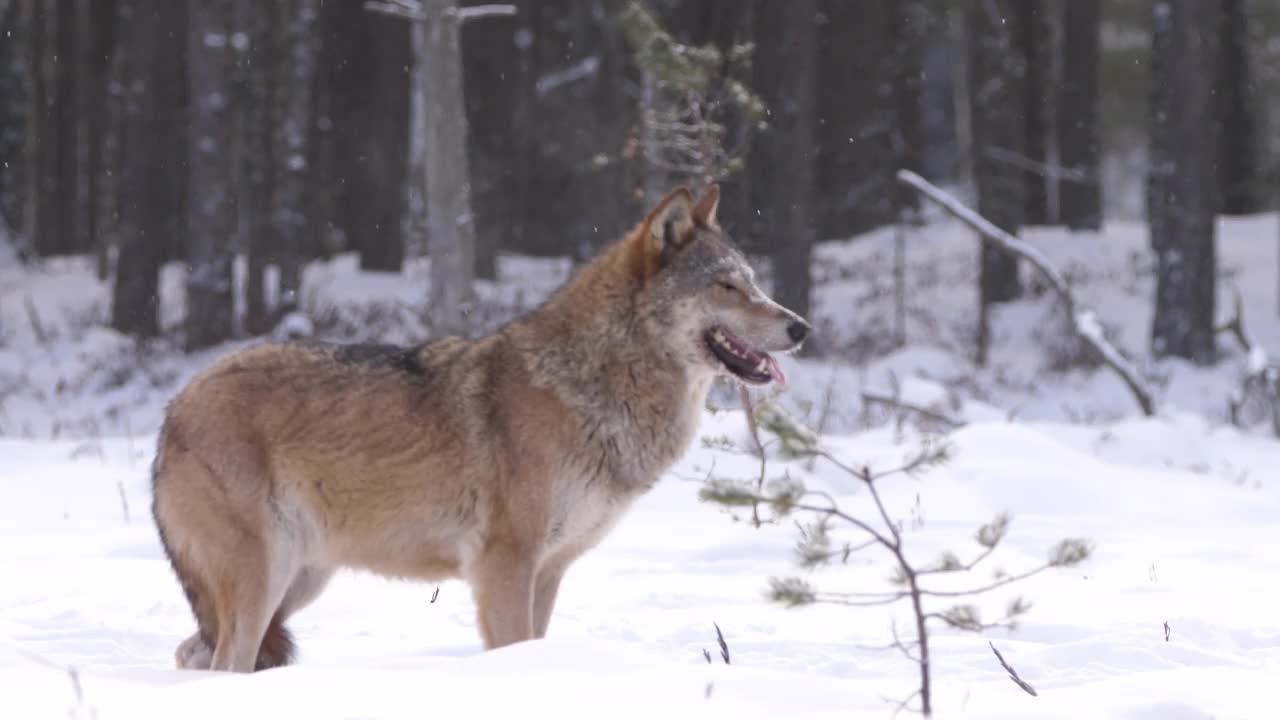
1181,509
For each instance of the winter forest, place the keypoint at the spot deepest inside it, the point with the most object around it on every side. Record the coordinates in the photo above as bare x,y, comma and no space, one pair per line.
1024,466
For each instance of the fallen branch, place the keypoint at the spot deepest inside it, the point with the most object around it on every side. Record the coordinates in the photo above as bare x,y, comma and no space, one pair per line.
1085,322
874,398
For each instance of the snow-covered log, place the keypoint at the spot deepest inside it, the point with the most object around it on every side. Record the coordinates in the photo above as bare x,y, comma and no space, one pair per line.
1085,322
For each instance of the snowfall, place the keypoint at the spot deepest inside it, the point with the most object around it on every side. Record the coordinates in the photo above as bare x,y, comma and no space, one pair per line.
1172,618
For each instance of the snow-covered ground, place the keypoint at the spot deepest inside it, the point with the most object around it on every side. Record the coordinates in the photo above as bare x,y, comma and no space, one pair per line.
1182,510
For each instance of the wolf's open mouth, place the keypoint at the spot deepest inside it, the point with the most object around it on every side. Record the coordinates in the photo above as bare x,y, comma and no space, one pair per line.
750,365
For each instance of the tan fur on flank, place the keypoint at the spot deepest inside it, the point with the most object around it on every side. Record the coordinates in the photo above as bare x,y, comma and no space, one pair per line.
498,460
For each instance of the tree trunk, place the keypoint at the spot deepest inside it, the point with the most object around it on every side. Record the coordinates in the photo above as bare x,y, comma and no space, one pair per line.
575,105
325,186
1185,54
1237,105
784,188
910,23
415,225
209,282
451,236
298,66
859,133
258,156
96,31
145,172
69,148
14,111
1158,98
996,114
41,222
381,87
1080,190
1035,46
493,75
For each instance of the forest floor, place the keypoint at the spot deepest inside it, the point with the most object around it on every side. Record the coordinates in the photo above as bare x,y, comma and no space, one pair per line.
1172,618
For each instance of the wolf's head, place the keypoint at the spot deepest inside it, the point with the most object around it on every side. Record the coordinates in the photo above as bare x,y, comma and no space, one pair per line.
702,292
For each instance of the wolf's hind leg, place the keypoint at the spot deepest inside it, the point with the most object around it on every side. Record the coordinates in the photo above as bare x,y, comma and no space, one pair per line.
277,647
250,592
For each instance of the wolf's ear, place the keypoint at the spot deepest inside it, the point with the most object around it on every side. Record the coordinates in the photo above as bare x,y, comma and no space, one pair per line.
666,229
704,213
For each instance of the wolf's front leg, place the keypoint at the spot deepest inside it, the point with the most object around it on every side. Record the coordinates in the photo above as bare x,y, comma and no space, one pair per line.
502,583
545,589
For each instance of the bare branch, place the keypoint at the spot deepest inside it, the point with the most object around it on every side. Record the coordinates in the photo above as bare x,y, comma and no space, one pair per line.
834,512
477,12
905,704
839,599
894,402
1085,322
902,646
749,409
1007,580
396,9
413,10
959,567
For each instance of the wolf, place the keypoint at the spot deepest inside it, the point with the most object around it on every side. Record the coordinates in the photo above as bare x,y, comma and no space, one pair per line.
498,460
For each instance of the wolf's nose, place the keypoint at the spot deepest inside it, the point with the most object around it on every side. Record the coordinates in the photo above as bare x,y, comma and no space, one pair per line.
798,330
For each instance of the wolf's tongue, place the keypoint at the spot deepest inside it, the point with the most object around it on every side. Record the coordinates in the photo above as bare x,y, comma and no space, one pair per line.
776,371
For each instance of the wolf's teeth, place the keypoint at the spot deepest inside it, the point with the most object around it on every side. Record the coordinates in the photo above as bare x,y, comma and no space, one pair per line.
763,367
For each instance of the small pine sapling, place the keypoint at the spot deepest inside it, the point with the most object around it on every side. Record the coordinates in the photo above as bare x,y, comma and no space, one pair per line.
698,112
772,498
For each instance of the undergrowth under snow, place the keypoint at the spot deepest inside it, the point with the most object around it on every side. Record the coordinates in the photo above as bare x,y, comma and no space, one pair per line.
1181,507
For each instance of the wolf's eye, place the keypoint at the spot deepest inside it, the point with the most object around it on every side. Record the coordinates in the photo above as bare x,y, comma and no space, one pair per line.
727,286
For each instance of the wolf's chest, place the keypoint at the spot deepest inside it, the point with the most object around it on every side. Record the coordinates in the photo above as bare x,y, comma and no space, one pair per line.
582,512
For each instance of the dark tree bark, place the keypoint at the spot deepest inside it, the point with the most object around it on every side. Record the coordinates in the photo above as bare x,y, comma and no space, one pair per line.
493,75
573,111
1237,105
997,122
14,111
209,282
372,111
1184,154
1158,98
325,188
96,32
68,148
784,183
1080,190
1034,44
910,23
41,224
296,25
151,58
256,72
857,131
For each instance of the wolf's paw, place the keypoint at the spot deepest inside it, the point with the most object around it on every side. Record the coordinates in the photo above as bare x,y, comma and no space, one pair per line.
194,654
